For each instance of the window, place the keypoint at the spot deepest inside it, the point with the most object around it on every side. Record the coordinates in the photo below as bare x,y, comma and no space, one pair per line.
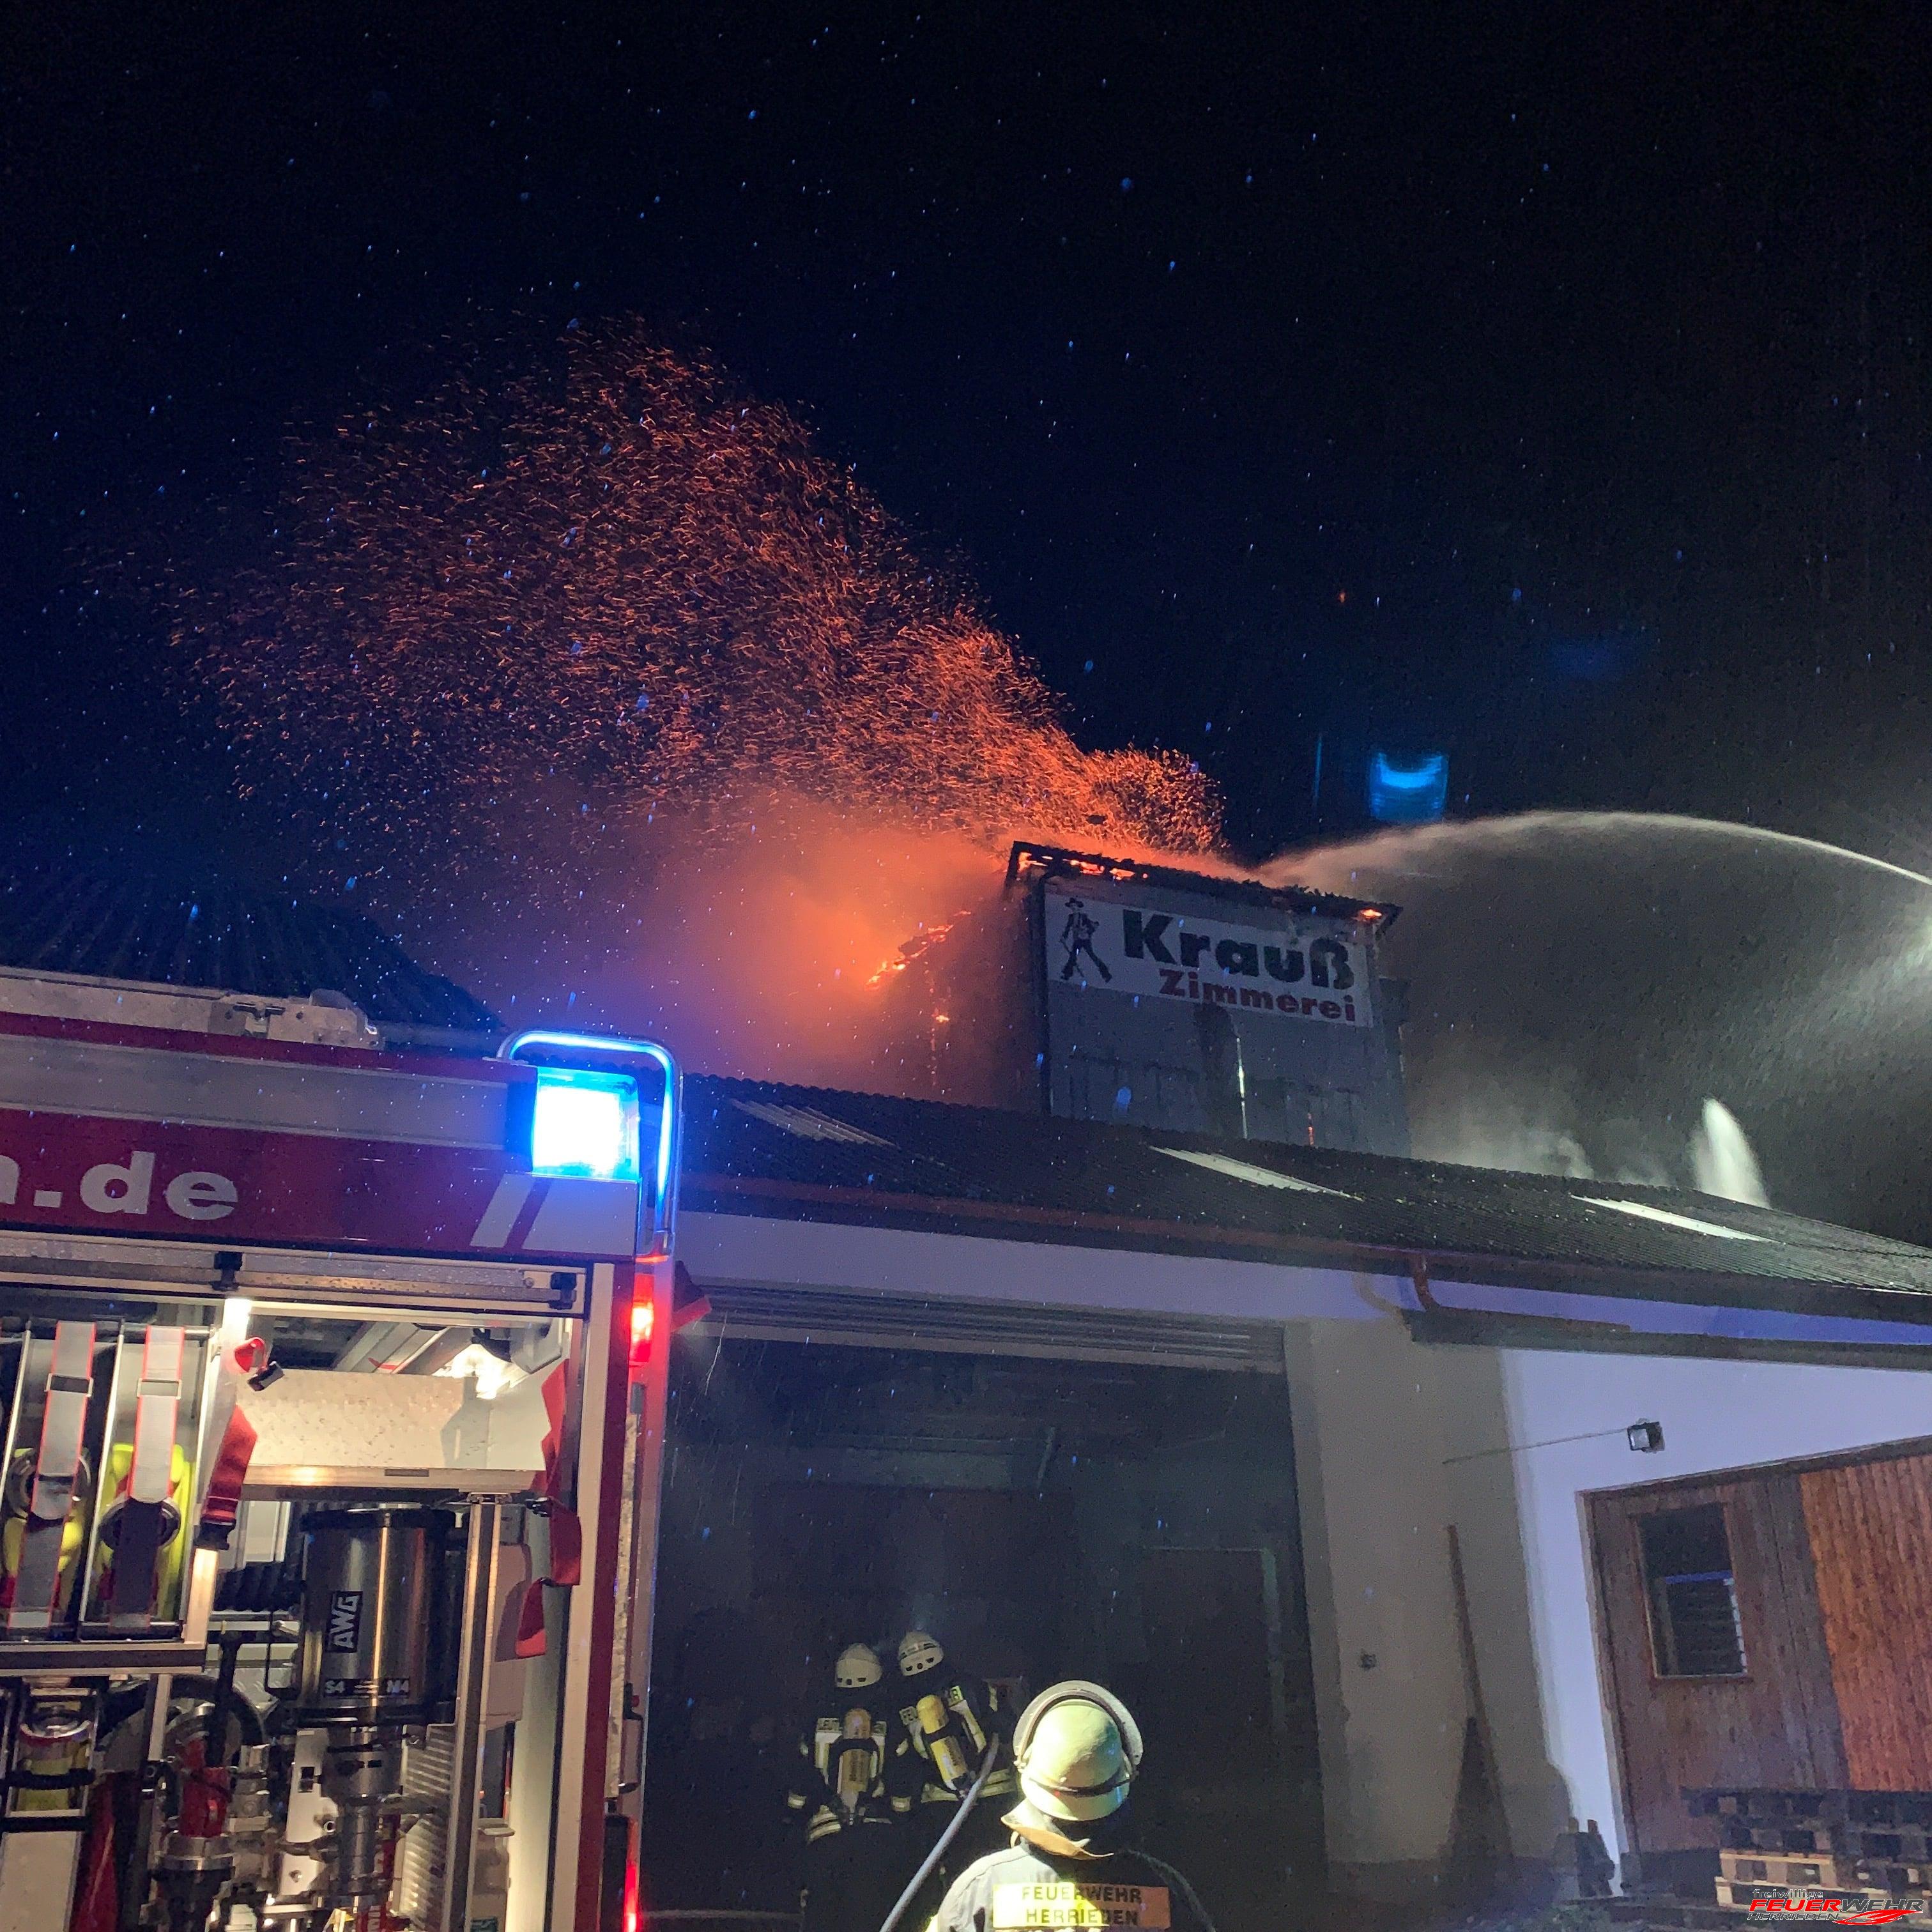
1644,1211
1246,1170
1693,1600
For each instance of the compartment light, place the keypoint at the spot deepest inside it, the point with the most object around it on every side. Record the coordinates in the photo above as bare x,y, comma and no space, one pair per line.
491,1374
585,1123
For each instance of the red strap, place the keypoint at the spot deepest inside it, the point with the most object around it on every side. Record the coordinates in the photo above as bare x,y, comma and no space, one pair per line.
566,1548
530,1622
223,1500
566,1531
98,1907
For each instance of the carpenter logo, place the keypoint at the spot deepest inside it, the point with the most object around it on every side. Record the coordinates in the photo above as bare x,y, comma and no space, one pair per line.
1076,937
1315,969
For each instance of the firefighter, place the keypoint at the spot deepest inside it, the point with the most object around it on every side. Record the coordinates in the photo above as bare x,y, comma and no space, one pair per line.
851,1864
1072,1861
949,1718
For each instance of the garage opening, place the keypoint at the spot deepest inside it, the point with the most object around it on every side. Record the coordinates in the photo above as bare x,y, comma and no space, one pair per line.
1128,1521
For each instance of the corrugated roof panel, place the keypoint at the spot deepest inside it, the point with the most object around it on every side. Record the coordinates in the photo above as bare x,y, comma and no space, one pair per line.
64,918
1031,1176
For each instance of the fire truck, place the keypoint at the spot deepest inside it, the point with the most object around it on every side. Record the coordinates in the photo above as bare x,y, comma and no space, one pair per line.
331,1429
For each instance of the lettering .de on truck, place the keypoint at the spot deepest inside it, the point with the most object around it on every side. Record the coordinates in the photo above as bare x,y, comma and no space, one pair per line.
127,1187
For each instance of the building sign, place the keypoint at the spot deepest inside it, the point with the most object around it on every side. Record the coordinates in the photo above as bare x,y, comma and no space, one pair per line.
1317,969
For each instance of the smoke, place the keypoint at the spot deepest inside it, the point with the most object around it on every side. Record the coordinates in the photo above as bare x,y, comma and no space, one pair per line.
1582,983
1493,1125
597,681
751,953
1723,1160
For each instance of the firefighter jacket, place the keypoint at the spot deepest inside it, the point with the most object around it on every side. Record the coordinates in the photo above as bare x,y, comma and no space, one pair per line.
947,1719
1027,1887
841,1775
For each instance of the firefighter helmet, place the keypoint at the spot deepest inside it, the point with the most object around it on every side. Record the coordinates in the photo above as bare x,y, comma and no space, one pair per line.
1076,1748
858,1668
919,1653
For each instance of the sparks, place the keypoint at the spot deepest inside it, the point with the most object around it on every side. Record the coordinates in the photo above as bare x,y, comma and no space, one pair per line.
615,587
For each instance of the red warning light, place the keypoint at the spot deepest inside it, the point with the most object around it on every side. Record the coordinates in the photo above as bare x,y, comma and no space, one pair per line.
644,1325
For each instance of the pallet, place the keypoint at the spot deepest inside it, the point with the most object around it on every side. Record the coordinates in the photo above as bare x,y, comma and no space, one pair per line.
1812,1872
1892,1808
1873,1827
1770,1805
1875,1875
1780,1841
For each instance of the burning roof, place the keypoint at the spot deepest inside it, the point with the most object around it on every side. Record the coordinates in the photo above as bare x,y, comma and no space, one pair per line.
1035,860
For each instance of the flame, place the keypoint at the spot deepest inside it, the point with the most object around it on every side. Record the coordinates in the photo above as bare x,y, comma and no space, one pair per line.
928,936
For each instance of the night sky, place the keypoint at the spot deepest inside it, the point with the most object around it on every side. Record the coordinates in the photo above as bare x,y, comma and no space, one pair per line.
1546,385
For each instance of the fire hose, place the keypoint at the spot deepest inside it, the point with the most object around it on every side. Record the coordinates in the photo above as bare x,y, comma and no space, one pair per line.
946,1838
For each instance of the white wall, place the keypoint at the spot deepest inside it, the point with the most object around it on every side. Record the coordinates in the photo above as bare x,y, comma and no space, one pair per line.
738,1249
1394,1442
1374,1496
1522,1532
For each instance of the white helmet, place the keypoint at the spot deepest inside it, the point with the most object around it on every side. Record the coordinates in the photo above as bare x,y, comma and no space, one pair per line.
1077,1749
919,1653
858,1667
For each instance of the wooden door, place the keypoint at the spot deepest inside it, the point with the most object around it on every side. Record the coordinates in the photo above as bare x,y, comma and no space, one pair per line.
1870,1526
1714,1647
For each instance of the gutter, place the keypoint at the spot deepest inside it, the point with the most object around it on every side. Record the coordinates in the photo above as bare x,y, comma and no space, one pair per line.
727,1193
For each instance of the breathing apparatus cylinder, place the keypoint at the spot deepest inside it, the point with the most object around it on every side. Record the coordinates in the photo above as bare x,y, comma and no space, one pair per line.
857,1760
949,1757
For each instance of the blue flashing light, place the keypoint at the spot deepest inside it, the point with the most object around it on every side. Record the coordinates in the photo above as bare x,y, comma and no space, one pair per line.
1411,792
585,1123
654,1125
